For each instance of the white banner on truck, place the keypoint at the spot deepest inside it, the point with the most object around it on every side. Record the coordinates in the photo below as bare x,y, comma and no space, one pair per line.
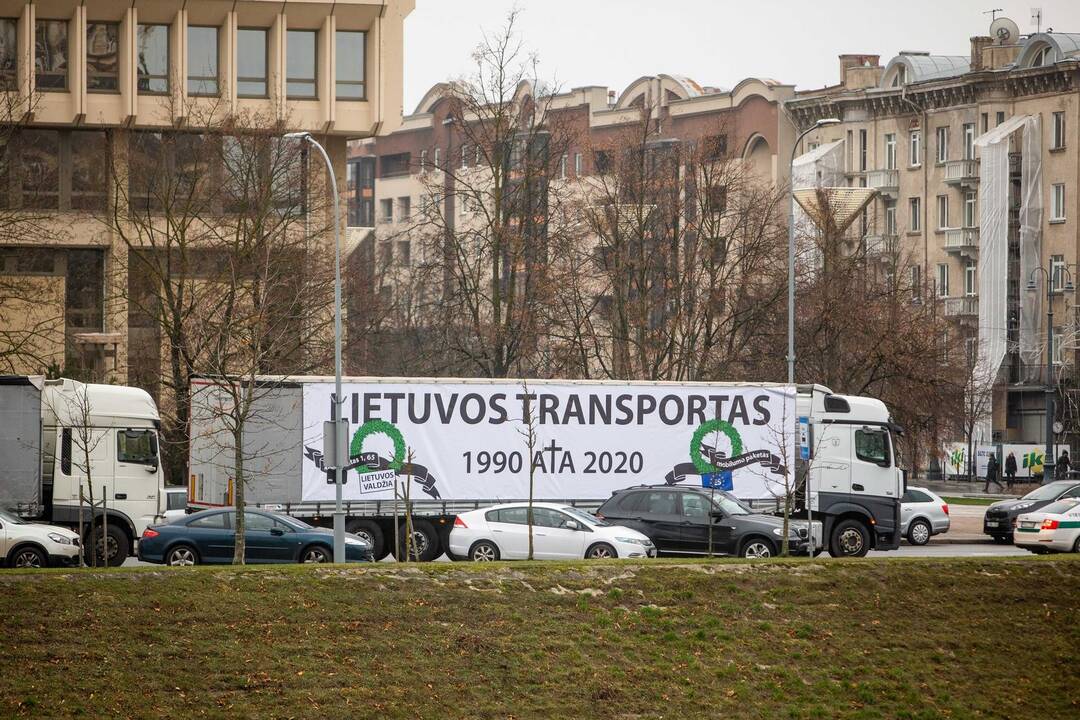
469,440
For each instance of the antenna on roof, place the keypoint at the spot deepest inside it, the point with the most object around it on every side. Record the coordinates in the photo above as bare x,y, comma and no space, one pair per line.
1036,18
993,13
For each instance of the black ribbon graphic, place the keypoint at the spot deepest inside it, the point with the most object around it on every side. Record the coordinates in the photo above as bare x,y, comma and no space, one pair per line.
723,463
374,462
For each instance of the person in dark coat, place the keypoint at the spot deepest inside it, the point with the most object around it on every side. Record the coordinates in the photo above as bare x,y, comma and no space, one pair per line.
1061,470
992,473
1010,469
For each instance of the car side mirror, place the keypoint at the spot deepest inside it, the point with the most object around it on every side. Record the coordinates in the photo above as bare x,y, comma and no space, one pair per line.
717,515
277,531
572,525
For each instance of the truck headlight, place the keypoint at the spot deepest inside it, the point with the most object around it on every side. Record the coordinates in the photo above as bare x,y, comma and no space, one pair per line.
59,539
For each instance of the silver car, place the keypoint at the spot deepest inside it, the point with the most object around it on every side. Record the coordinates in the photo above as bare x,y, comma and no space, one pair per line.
922,514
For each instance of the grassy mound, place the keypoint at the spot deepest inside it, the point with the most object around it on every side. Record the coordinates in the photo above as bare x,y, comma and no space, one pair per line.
920,638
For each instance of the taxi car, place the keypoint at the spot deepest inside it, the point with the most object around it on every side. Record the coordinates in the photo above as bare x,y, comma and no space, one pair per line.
1053,528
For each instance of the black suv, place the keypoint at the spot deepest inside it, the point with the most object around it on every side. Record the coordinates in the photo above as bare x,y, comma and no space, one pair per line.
999,518
677,519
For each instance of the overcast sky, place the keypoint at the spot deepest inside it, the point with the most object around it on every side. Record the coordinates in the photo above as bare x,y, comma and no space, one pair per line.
715,42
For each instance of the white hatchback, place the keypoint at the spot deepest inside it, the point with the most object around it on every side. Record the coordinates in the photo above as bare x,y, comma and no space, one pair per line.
1053,527
25,544
560,532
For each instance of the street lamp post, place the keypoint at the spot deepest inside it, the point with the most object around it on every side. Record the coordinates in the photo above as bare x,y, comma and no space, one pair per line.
1049,460
791,248
339,458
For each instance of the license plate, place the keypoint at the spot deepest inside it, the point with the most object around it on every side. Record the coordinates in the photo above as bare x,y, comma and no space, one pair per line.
992,523
1027,524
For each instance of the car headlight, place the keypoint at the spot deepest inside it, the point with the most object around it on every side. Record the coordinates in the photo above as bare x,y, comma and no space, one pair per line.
634,541
1021,506
59,539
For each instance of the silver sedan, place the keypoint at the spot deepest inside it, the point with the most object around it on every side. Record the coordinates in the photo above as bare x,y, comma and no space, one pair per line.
922,514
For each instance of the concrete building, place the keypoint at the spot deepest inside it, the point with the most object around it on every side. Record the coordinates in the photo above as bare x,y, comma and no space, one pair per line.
971,232
83,79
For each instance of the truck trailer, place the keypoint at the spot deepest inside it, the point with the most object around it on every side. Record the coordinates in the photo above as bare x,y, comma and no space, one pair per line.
48,428
454,445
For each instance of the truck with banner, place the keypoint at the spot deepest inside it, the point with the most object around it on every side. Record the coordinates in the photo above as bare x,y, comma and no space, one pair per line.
459,444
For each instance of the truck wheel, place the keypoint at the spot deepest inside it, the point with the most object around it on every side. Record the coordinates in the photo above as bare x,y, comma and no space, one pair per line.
849,539
425,542
116,544
370,531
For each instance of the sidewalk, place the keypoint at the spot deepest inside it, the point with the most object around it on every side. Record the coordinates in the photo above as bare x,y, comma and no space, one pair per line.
964,488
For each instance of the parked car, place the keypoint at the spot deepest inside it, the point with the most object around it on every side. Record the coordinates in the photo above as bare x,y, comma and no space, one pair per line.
25,544
1054,528
922,514
209,537
677,520
560,532
1000,517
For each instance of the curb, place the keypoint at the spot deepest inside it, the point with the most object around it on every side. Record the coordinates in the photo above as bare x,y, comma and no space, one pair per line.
974,540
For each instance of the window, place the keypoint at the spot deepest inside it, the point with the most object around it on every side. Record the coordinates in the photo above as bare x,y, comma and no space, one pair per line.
396,164
942,212
477,154
943,280
1059,131
437,166
970,288
914,496
300,59
175,501
716,147
251,62
257,521
1056,346
514,515
1042,57
890,151
999,118
349,64
464,156
916,281
361,191
872,446
915,148
41,169
1057,272
915,214
694,505
404,207
212,522
9,52
890,219
1057,202
970,219
423,160
562,167
386,210
577,164
404,253
660,503
602,161
153,52
102,57
985,119
136,446
862,150
969,141
51,55
202,60
88,172
942,144
546,517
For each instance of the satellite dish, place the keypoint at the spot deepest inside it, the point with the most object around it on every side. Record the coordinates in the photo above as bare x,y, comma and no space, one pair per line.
1004,31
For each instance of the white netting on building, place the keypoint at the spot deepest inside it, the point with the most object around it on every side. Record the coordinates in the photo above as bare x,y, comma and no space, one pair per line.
820,168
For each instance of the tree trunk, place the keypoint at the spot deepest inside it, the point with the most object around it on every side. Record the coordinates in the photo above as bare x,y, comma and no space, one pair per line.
238,497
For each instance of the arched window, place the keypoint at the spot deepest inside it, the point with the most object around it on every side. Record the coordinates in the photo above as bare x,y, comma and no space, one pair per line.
900,78
1043,56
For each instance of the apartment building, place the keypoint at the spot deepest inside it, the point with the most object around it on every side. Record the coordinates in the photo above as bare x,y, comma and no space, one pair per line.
83,80
951,222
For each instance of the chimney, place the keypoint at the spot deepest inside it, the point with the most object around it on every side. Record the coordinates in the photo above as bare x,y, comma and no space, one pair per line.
611,98
856,60
978,44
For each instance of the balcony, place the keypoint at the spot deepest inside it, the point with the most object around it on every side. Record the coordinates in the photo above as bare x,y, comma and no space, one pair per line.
882,246
964,173
963,241
962,307
886,182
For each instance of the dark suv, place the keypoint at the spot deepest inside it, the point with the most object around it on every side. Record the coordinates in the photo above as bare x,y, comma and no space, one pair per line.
677,520
999,518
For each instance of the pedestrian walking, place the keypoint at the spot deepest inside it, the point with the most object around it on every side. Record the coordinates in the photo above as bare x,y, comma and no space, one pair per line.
1061,470
991,473
1010,469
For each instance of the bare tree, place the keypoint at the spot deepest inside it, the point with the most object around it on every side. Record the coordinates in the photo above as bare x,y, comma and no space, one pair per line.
528,432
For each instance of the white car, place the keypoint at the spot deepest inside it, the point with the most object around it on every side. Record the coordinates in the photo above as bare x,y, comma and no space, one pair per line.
922,514
24,544
1053,527
560,532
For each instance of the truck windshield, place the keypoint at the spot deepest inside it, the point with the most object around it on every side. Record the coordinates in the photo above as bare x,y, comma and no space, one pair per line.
12,519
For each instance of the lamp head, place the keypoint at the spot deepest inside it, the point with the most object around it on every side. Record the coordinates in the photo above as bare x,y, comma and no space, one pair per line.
827,121
1068,286
1031,286
303,135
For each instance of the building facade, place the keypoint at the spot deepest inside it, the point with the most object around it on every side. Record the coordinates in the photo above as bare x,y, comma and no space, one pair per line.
958,228
86,83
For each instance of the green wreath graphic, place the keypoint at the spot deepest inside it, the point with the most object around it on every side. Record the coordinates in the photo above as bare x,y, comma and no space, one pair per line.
704,429
378,427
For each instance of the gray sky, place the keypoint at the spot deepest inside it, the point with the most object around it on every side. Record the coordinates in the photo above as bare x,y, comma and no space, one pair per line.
715,42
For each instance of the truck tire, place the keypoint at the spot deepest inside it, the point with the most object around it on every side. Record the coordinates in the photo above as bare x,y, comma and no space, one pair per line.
849,538
370,531
426,539
116,541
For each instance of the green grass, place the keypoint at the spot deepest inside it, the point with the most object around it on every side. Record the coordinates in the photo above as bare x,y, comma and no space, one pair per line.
954,500
895,638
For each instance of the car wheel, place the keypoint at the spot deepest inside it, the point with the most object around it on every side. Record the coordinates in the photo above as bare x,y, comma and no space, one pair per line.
372,533
425,544
315,554
28,556
919,533
757,548
181,555
484,551
849,539
601,551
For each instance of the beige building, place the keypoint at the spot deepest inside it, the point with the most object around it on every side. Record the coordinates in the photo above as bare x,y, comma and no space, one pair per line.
948,221
83,79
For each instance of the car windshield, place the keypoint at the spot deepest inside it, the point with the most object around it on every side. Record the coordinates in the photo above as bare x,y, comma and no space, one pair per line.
731,505
584,516
1061,506
9,518
1046,492
298,524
